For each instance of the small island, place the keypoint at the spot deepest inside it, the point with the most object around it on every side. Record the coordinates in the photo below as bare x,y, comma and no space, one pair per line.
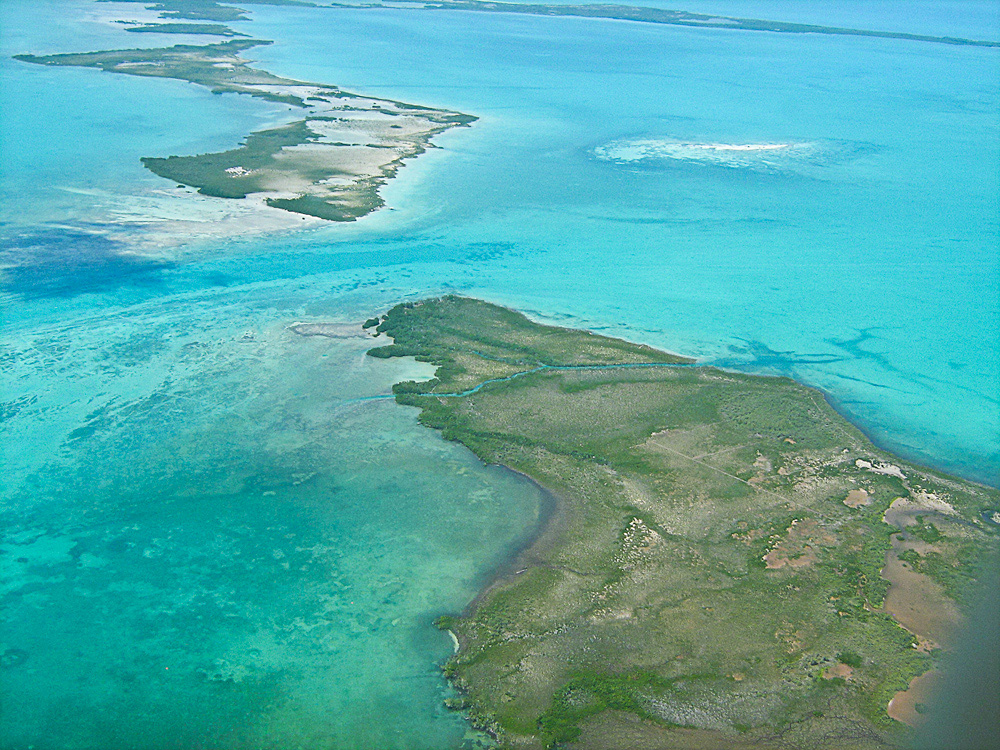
329,164
728,562
207,29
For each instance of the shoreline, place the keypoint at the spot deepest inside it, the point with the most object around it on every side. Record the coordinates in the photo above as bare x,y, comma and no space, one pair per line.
328,161
662,16
904,707
941,472
919,463
549,535
520,558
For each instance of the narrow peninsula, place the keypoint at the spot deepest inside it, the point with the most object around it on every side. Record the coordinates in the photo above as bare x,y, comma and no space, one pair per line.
719,568
330,163
646,14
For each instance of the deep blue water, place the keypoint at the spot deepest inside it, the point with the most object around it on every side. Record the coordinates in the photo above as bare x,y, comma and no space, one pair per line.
207,536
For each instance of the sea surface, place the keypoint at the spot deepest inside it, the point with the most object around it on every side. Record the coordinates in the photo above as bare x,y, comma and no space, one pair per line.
212,535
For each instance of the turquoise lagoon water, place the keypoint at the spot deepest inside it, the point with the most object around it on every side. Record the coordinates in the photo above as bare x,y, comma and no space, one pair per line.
213,537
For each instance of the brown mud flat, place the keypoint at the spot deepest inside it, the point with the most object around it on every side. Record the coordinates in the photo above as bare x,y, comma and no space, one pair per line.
917,602
908,705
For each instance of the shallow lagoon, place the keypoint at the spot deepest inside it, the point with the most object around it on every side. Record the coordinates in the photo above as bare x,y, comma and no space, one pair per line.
150,419
234,547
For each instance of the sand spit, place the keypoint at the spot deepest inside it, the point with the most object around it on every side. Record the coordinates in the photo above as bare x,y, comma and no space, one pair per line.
329,330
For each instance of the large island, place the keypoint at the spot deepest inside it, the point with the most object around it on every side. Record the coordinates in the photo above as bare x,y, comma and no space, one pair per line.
328,163
728,562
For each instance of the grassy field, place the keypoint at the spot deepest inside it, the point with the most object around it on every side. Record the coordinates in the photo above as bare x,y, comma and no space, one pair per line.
711,575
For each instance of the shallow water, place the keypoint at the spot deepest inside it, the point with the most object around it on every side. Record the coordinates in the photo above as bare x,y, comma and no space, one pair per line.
231,549
207,537
867,266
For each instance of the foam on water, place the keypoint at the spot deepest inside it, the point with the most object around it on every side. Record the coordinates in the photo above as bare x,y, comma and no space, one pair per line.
759,156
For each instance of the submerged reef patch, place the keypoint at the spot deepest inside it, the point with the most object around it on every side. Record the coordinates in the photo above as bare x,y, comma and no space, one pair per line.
790,156
65,262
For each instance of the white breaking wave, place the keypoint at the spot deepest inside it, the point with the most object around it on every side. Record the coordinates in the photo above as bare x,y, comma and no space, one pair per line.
761,156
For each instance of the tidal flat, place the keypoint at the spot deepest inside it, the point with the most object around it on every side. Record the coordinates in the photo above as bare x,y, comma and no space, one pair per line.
712,575
329,165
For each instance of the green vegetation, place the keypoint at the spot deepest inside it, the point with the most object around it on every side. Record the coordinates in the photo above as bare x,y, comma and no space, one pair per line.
702,574
212,29
953,566
327,209
215,66
925,531
683,18
329,165
206,10
193,10
849,658
208,170
590,694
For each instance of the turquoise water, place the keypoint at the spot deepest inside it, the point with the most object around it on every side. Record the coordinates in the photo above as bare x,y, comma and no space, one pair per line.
230,550
207,537
869,268
971,19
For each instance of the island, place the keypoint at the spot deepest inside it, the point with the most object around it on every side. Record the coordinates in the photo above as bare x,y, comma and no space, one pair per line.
207,10
213,10
207,29
330,163
646,14
727,562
